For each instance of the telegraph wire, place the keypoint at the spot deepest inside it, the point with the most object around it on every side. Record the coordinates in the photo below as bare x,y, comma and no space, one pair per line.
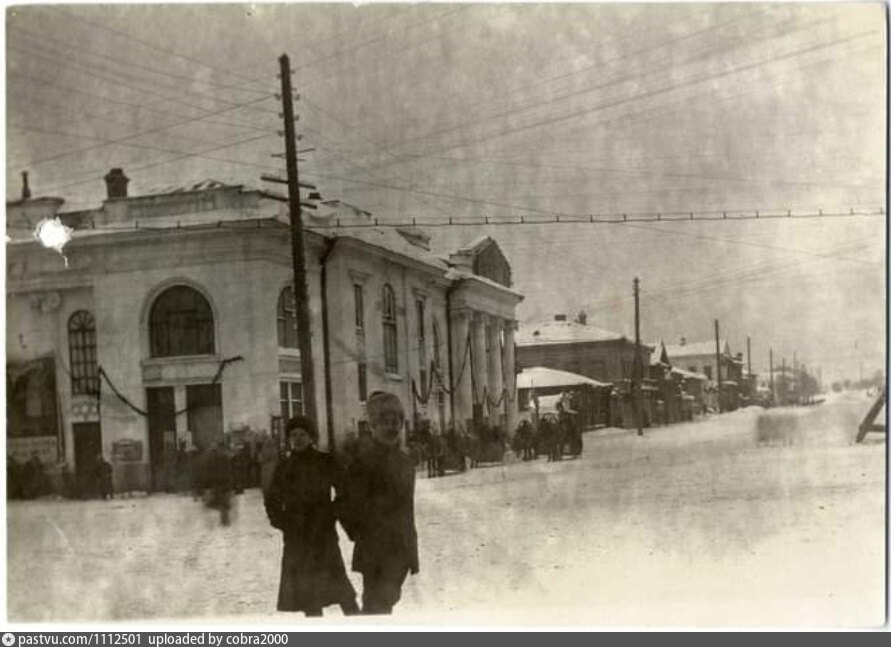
169,161
146,146
88,71
105,116
651,70
104,98
69,15
624,117
41,38
147,132
651,93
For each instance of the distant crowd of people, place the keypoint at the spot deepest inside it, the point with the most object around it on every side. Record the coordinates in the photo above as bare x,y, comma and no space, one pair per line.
29,479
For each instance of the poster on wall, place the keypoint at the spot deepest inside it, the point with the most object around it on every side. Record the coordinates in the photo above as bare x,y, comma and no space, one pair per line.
126,451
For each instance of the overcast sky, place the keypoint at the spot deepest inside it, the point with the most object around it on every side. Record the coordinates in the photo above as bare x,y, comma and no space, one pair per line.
464,111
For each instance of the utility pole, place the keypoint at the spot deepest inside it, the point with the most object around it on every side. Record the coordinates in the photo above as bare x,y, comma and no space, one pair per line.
637,361
785,381
304,332
773,393
795,374
718,358
752,386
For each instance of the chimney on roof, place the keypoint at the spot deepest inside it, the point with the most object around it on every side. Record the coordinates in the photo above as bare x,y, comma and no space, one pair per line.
582,318
683,341
559,317
26,190
116,183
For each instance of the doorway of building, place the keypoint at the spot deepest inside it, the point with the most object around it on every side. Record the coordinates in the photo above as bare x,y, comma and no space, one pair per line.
205,414
161,426
87,445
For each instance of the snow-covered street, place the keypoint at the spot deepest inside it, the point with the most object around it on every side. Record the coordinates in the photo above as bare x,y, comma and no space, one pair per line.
693,524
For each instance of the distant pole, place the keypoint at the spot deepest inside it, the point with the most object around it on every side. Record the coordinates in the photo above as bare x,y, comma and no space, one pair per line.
304,335
637,361
785,381
795,374
773,393
718,358
750,382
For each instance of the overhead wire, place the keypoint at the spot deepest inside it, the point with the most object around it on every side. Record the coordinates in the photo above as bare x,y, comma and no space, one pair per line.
649,93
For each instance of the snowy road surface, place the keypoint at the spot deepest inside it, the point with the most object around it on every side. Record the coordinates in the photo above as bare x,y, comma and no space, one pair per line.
693,524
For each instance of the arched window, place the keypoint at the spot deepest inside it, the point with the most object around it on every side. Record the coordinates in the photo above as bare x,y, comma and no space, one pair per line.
391,348
181,323
287,319
82,354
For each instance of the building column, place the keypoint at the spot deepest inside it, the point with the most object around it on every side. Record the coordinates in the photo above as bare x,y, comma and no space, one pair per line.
510,378
478,355
493,332
462,393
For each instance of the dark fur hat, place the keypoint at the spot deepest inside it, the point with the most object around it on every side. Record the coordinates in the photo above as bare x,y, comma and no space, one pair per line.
302,422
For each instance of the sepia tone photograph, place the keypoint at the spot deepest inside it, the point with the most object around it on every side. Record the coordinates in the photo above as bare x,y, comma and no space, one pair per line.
485,314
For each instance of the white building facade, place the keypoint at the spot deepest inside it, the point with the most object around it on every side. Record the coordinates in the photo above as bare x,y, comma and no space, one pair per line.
170,321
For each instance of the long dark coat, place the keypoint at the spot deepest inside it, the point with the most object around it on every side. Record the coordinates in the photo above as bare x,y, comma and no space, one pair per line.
378,509
299,503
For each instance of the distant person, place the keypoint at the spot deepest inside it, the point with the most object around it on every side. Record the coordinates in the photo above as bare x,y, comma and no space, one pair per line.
219,482
378,508
33,478
269,455
13,478
299,503
104,482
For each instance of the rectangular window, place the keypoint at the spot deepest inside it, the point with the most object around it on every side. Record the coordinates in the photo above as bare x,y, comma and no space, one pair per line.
363,382
419,307
359,303
290,399
422,350
692,369
391,352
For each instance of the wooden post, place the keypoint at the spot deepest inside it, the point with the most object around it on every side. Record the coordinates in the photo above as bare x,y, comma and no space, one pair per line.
637,373
304,333
718,358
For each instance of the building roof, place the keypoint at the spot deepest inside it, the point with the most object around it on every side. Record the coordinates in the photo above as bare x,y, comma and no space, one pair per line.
688,375
676,351
565,332
390,239
204,185
541,377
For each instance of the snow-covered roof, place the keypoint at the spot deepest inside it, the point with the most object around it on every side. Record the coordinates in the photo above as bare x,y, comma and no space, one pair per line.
204,185
688,375
540,377
391,240
475,243
564,332
676,351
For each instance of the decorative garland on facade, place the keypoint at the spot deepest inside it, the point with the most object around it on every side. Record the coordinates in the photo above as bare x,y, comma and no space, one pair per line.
216,378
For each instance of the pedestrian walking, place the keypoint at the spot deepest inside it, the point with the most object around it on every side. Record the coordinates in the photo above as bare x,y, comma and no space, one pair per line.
104,483
299,502
219,482
377,510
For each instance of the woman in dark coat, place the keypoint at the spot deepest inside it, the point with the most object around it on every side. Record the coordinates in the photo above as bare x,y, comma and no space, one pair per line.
299,503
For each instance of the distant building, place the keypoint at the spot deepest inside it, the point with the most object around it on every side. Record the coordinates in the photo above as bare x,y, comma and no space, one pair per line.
602,355
184,298
702,357
579,347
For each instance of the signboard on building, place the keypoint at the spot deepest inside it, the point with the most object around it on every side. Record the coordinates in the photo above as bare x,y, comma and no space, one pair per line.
126,451
22,449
